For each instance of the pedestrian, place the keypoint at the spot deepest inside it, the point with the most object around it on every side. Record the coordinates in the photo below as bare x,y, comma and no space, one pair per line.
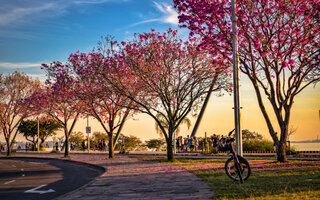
196,144
215,143
191,141
187,142
57,146
83,144
181,143
93,145
178,144
61,146
104,146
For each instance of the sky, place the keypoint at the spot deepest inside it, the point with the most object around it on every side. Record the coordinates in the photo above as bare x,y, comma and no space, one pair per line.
34,32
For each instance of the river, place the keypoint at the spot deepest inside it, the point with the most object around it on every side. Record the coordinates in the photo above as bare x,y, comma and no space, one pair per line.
306,146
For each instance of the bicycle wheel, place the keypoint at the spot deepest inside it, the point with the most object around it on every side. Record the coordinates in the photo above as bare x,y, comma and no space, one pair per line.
231,170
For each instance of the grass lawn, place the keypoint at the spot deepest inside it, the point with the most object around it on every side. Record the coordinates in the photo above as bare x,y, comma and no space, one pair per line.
269,180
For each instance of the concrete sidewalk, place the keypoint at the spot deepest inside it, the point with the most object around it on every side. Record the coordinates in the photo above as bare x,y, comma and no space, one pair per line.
130,178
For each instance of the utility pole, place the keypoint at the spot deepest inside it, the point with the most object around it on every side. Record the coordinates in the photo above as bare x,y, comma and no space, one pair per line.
235,61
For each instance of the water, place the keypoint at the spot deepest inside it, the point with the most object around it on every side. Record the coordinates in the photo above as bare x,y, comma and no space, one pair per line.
306,146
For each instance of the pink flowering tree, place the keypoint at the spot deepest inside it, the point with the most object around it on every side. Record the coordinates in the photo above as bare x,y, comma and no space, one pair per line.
99,98
58,99
14,88
166,78
278,49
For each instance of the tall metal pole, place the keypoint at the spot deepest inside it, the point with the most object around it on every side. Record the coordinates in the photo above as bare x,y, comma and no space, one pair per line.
38,134
88,135
236,79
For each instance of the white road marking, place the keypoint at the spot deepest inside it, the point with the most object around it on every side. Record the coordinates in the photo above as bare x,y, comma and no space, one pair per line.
34,190
9,182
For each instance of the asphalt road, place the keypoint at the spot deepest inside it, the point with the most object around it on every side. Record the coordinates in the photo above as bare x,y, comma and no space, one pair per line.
30,178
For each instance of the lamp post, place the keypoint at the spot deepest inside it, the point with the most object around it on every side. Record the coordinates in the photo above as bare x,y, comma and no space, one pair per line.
88,131
38,135
235,62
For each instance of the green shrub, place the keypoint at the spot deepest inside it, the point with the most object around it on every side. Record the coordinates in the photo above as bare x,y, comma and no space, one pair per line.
257,145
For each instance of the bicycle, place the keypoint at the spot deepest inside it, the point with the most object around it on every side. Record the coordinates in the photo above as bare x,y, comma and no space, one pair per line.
236,167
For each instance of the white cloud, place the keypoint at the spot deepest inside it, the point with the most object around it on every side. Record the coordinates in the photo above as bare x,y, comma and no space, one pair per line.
170,16
144,22
21,13
8,65
93,1
31,69
48,8
41,77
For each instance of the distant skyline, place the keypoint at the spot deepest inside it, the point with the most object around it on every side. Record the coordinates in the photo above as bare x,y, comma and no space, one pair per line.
34,32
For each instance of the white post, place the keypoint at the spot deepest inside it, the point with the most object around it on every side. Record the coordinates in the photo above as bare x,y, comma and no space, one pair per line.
236,80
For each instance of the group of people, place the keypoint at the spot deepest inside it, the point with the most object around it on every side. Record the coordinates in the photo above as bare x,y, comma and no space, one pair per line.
218,142
100,145
189,144
29,146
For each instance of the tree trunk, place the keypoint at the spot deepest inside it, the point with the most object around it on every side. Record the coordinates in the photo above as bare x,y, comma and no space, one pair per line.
8,147
68,133
34,144
281,152
110,146
281,142
169,149
66,143
66,152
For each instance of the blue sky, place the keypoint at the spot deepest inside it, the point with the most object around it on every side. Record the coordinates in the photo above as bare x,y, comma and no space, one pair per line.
34,32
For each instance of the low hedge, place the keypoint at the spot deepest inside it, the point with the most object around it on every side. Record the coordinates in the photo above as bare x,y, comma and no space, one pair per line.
257,145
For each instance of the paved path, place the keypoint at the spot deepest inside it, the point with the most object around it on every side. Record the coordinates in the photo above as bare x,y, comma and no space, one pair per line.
130,178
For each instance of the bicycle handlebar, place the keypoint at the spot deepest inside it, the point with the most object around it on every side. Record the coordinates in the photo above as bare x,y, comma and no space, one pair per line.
230,132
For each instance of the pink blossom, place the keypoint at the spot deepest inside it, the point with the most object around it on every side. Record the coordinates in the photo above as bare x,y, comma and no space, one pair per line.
284,64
